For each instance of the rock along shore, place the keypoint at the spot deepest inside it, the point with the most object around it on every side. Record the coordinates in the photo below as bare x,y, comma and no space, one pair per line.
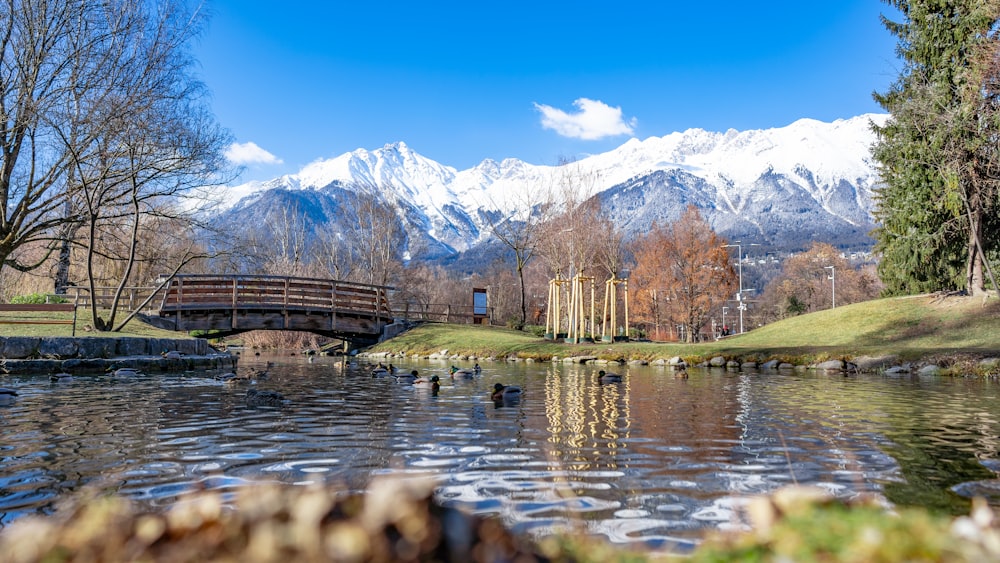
27,354
888,365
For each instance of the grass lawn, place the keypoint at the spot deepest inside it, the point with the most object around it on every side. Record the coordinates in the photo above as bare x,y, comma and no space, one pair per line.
84,324
910,327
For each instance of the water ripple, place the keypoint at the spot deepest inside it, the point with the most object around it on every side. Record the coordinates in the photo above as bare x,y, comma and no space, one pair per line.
653,461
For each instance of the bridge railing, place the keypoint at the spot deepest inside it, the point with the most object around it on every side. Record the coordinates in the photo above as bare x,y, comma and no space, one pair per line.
202,291
440,312
199,291
130,298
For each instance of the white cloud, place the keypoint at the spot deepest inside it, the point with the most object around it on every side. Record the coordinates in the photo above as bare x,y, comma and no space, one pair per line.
250,153
594,121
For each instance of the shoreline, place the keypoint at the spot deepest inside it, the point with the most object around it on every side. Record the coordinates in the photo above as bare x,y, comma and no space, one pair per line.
889,364
33,355
470,343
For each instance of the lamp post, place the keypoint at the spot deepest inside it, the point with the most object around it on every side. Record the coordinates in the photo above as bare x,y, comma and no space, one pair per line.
739,296
833,285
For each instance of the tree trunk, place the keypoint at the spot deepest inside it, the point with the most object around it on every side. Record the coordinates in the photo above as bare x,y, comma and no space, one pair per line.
524,305
62,268
974,280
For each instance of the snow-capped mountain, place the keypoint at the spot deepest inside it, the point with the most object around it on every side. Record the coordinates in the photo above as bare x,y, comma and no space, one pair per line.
781,187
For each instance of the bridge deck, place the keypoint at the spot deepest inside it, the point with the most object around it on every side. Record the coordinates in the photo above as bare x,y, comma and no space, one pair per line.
234,304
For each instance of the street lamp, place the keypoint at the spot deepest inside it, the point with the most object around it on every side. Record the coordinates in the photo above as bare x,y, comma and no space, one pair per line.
833,285
739,296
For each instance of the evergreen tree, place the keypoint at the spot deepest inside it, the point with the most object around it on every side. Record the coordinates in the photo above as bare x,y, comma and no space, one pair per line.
937,154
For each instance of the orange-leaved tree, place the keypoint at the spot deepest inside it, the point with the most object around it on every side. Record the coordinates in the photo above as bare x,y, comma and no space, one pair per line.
682,275
816,279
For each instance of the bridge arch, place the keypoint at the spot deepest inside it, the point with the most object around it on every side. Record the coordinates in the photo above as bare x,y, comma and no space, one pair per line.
233,304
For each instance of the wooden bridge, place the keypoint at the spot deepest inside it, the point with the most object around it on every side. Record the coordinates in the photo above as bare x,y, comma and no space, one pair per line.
232,304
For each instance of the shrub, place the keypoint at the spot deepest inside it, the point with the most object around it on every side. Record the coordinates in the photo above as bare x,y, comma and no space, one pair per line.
36,299
535,330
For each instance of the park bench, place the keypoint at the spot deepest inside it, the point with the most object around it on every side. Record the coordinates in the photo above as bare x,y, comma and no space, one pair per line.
38,308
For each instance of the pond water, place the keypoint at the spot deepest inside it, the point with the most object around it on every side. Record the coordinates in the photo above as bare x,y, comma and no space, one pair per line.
653,461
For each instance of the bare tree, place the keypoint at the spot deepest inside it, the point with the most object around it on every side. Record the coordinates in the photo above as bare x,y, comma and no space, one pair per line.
568,242
376,238
101,126
153,146
519,223
331,255
36,40
288,235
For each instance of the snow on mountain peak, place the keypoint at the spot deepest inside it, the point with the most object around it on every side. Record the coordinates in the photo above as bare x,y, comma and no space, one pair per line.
817,155
832,151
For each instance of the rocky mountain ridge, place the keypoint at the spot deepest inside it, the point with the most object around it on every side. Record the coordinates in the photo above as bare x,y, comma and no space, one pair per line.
782,187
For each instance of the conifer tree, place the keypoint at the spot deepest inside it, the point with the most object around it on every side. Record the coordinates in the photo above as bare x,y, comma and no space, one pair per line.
937,154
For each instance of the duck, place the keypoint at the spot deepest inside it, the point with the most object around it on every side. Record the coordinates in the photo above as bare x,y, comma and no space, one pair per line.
407,377
61,377
231,377
433,383
264,398
123,372
380,370
462,373
608,377
503,392
477,369
172,355
7,395
258,373
681,374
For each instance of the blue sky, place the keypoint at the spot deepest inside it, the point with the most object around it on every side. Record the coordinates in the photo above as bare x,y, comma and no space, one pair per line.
460,82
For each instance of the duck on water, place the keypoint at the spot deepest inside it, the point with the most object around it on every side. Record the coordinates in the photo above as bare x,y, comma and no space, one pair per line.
7,395
503,392
608,377
116,371
432,383
381,370
264,398
408,377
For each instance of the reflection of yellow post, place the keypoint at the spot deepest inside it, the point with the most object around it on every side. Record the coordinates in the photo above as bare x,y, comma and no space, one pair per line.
611,302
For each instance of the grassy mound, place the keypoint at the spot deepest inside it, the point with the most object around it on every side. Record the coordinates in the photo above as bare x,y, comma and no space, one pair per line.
926,326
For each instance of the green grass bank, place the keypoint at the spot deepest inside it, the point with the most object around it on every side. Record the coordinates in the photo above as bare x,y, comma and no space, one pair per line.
84,326
947,330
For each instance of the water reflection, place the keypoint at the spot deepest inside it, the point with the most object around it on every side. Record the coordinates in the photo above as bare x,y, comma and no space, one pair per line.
652,459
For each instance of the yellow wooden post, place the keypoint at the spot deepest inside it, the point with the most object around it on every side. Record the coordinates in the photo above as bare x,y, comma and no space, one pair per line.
625,287
614,308
604,315
571,332
593,298
548,310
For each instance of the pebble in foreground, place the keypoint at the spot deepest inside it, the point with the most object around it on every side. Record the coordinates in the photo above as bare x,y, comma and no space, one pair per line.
396,520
